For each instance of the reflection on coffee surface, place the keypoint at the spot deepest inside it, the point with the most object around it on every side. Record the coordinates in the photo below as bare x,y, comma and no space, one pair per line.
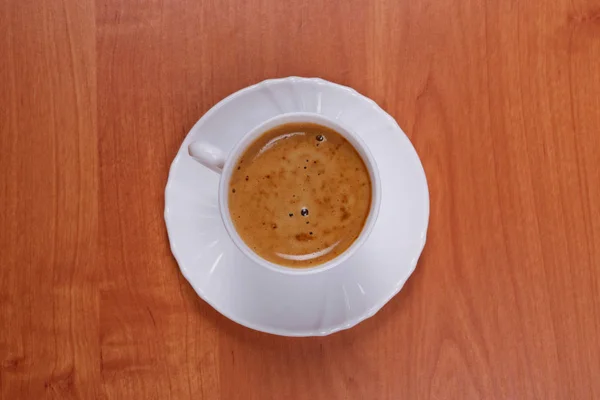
299,195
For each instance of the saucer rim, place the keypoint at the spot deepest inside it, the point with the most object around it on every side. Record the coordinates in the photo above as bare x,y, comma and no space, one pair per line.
308,333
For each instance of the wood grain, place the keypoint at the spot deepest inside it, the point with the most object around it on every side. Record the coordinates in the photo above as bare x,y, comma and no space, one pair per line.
49,298
500,98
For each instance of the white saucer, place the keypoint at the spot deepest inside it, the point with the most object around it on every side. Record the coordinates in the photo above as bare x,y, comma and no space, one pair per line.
307,305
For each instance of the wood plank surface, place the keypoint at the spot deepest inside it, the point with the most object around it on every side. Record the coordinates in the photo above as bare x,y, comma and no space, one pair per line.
501,99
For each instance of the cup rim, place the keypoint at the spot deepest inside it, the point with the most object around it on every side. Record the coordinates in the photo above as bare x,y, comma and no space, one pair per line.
299,117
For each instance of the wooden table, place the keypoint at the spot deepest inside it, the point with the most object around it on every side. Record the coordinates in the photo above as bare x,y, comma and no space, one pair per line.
501,99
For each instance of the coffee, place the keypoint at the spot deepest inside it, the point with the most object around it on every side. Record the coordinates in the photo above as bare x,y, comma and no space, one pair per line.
299,195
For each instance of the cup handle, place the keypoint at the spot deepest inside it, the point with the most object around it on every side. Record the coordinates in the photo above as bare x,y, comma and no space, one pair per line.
208,155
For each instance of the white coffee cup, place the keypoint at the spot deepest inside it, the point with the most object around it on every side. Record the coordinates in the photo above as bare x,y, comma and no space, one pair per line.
216,159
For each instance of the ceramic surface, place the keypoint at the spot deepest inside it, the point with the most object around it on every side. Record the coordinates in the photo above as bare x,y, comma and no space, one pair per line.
287,304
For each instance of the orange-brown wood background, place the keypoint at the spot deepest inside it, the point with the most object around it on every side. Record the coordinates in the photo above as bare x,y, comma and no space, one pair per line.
501,99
